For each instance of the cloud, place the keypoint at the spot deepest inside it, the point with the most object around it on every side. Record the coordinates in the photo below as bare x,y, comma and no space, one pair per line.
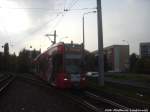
23,19
122,20
128,21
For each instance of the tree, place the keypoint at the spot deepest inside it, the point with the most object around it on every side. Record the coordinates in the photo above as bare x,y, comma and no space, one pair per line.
132,61
90,60
1,61
6,57
13,63
106,65
6,49
142,66
23,61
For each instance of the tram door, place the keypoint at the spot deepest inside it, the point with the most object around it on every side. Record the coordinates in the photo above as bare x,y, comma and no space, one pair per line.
50,69
57,66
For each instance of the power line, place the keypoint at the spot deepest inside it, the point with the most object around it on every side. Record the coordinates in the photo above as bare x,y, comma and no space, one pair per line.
65,4
5,30
38,10
73,4
83,9
51,10
70,4
79,9
29,8
62,15
39,28
43,25
57,23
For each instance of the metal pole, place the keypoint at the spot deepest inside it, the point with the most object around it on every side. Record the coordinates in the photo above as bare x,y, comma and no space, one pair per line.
55,37
100,44
83,37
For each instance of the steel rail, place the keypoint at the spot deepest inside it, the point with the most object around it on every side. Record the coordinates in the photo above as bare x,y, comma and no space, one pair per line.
78,100
3,78
99,98
83,103
6,84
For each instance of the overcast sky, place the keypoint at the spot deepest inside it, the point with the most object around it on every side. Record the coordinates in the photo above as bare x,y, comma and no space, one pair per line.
25,22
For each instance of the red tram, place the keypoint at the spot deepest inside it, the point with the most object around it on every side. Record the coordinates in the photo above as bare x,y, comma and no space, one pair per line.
61,66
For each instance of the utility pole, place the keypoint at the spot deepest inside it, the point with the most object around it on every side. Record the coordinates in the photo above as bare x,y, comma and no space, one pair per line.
53,42
83,44
54,37
100,44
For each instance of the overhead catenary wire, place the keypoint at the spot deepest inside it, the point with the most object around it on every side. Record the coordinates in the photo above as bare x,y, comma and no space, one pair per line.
58,11
57,23
65,4
43,25
60,15
73,3
40,8
36,11
83,9
29,8
39,28
5,30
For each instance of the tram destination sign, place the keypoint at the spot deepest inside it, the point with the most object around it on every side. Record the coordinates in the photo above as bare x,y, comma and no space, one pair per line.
73,48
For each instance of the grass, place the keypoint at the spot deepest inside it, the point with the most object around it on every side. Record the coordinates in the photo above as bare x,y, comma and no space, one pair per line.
144,78
127,91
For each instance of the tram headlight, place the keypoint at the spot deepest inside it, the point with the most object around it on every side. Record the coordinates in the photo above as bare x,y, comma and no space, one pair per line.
65,79
83,78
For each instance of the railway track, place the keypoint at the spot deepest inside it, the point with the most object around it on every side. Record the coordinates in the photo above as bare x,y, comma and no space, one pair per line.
109,103
141,89
88,107
130,102
5,81
85,99
95,103
83,103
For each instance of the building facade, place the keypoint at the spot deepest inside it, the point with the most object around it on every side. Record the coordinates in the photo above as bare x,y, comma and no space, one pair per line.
145,49
117,57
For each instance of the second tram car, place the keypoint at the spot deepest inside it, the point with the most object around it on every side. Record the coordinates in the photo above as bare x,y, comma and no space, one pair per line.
61,65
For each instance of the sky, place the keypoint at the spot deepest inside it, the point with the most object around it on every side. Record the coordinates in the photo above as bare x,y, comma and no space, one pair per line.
26,22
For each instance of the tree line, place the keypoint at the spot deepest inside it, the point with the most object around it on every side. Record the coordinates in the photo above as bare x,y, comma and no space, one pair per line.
23,62
139,64
13,63
136,63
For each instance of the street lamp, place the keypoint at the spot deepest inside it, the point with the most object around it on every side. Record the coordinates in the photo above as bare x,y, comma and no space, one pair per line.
83,28
126,42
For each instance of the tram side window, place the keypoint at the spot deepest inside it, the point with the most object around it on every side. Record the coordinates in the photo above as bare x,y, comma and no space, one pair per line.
43,65
57,63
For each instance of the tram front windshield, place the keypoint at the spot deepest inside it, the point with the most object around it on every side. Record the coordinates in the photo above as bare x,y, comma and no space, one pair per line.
73,64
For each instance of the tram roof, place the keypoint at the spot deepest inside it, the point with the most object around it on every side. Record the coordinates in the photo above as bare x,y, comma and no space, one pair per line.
52,46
